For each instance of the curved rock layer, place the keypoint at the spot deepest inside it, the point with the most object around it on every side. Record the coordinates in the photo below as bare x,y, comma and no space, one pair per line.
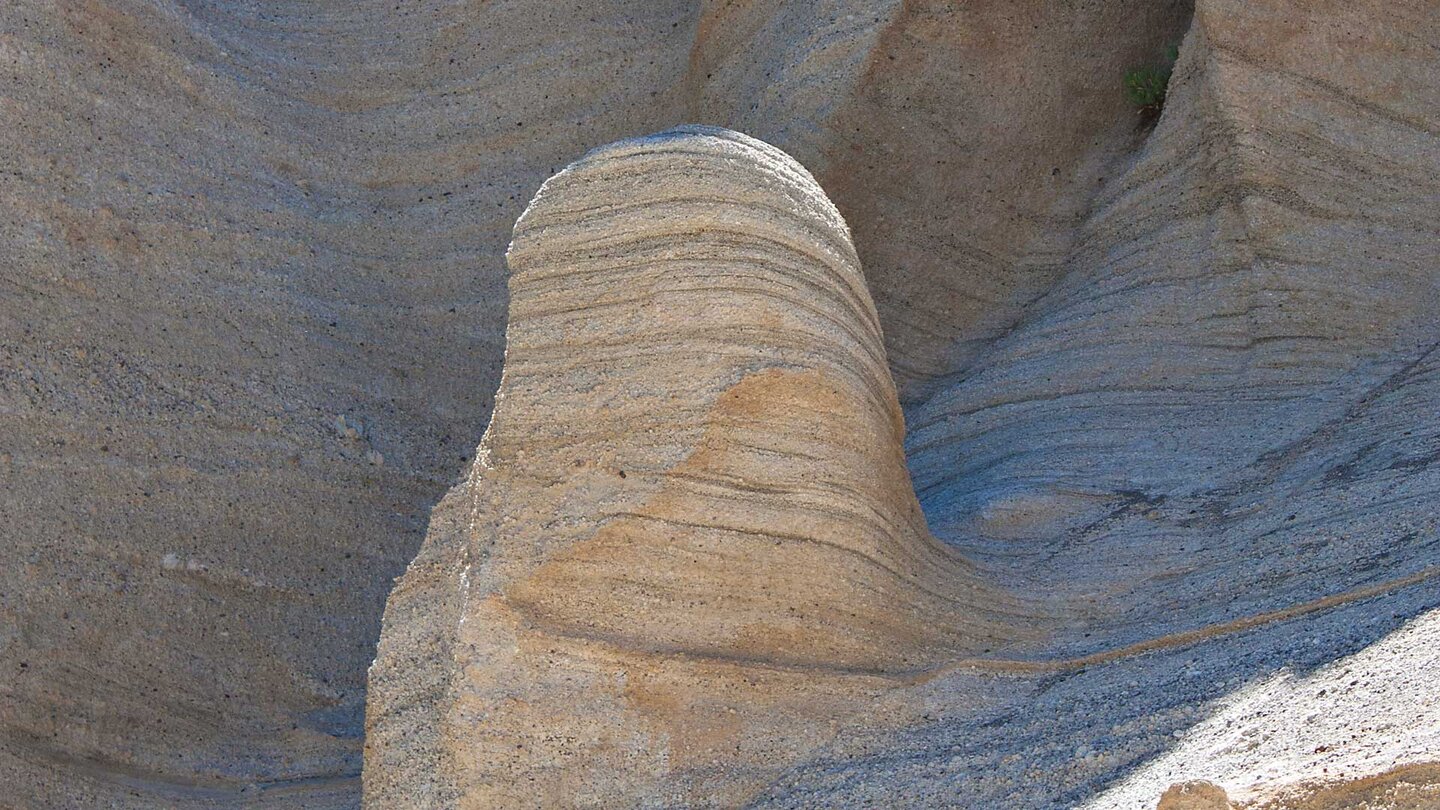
1234,364
692,483
1176,385
963,142
1213,440
1210,446
254,307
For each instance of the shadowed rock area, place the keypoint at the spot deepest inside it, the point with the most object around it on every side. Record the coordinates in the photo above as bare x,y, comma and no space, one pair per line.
1170,393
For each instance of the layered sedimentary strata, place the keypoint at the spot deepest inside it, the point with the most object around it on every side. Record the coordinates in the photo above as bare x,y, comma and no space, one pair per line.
252,310
689,544
963,142
1213,439
255,306
1207,446
968,155
1175,384
1234,363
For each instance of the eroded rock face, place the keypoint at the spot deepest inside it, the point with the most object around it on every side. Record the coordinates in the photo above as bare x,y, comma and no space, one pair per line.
692,484
1205,448
1218,419
252,316
1175,387
255,308
1234,364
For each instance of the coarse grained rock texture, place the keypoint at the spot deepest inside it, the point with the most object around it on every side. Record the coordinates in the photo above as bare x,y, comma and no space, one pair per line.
691,502
254,312
1173,389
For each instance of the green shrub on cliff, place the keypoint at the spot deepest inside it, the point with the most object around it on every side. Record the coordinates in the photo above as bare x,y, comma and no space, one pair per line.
1146,86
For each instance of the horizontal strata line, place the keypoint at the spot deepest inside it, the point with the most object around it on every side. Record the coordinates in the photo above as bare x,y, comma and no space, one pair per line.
711,344
817,502
540,260
1182,639
36,751
1000,666
794,299
1382,112
626,201
864,558
681,275
1114,396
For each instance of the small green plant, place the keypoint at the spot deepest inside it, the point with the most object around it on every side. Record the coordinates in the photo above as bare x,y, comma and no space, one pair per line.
1146,86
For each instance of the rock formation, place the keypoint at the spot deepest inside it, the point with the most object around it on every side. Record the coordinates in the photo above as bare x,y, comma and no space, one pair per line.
1169,392
692,485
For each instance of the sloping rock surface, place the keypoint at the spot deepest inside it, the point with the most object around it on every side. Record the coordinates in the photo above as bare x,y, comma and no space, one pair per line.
1169,391
254,308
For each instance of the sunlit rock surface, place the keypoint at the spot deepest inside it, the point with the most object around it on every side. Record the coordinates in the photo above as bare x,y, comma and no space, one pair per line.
690,549
1169,390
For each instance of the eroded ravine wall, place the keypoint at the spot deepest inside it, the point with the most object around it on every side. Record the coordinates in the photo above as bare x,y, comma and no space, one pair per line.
689,551
254,311
252,323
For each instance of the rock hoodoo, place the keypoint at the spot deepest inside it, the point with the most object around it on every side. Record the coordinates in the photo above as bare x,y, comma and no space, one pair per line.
692,480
